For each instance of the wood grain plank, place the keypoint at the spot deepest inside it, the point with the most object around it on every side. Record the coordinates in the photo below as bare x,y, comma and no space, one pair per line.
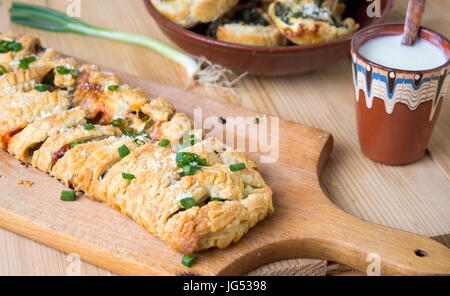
414,198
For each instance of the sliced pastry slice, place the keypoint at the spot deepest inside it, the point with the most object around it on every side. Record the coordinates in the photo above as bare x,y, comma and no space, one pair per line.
68,165
89,173
147,164
217,223
230,203
26,142
57,145
30,107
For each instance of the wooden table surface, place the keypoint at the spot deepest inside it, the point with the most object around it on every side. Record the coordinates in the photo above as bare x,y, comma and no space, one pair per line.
414,197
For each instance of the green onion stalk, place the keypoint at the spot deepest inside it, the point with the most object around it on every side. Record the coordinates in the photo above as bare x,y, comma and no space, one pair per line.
55,21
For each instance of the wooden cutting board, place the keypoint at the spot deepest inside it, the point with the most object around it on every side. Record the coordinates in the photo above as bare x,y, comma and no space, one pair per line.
305,223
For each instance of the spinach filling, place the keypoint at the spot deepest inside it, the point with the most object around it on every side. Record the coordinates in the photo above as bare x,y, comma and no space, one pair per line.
284,13
251,16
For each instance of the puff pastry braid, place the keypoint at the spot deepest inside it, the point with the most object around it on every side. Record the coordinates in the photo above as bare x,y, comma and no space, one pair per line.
102,137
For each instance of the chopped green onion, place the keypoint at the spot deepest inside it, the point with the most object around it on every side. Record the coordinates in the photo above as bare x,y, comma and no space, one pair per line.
188,260
88,126
41,87
118,122
113,87
163,143
257,120
68,195
3,70
189,170
215,199
25,62
202,161
64,70
52,20
128,176
7,46
237,167
123,151
15,46
188,202
186,157
73,145
189,162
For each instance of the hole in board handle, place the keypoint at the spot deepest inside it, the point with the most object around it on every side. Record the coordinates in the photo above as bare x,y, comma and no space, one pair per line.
420,253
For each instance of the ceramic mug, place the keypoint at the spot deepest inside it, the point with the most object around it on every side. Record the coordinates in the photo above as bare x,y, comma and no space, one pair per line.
396,110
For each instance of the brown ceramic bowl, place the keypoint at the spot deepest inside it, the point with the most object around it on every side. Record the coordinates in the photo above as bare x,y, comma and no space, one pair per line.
261,60
396,110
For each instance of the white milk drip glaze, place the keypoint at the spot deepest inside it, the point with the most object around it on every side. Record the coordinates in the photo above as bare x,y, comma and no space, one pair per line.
395,86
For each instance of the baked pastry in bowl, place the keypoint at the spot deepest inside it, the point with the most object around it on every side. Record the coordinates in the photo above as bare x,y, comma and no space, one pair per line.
247,24
188,13
268,60
310,21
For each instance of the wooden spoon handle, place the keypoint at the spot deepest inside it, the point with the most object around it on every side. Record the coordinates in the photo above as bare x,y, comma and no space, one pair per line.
376,249
413,20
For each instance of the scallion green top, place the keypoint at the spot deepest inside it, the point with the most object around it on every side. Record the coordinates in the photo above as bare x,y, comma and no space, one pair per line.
118,122
123,151
113,87
237,167
41,87
67,195
64,70
25,62
9,45
164,143
188,202
88,126
188,260
128,176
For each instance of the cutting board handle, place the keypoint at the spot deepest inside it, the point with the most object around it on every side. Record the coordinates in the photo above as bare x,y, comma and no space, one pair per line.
372,248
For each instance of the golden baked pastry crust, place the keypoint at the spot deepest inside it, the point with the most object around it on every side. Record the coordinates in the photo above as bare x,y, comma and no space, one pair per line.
26,111
304,29
92,93
68,166
38,131
88,175
250,35
188,13
30,46
76,142
44,158
144,163
23,80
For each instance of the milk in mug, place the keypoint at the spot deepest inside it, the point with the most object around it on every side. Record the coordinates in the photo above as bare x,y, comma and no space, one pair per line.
389,52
